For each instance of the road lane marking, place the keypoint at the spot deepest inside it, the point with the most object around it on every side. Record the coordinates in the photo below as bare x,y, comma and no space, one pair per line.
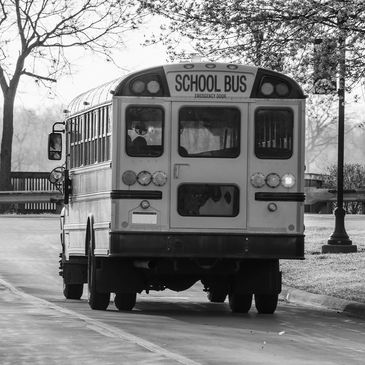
102,328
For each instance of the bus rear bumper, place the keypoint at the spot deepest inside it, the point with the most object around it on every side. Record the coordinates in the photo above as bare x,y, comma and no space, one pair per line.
243,246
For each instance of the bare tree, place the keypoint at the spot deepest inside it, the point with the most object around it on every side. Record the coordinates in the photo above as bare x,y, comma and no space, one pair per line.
35,36
33,125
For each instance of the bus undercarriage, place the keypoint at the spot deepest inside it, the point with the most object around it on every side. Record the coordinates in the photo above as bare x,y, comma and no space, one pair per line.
237,266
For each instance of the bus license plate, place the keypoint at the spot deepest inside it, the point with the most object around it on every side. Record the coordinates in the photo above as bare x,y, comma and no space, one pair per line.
144,218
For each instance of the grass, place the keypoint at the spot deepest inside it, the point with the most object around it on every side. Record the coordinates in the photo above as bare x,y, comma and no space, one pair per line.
338,275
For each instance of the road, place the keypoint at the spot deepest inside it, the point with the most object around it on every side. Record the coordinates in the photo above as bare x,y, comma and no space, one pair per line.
40,326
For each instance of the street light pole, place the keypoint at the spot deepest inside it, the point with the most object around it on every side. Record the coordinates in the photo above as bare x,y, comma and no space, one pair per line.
339,241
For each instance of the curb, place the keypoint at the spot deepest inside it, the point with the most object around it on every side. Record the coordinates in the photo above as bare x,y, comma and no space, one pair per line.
292,295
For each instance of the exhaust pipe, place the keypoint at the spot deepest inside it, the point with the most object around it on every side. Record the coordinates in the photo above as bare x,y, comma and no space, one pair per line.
144,264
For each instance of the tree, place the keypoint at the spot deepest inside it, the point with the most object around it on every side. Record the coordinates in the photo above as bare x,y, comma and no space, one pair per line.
354,178
277,34
33,125
35,36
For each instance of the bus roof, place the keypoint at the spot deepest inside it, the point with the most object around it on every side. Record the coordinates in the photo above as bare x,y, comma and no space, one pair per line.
250,85
97,96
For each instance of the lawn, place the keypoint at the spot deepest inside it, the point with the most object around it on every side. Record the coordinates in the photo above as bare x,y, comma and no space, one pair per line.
339,275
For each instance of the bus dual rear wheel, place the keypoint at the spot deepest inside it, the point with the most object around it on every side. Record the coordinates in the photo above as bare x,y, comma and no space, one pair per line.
73,291
98,301
125,301
240,303
216,296
266,303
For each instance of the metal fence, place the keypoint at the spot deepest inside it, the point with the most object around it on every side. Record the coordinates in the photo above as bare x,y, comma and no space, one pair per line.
33,181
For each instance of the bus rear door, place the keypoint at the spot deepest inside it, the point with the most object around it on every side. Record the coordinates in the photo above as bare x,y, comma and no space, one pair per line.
209,166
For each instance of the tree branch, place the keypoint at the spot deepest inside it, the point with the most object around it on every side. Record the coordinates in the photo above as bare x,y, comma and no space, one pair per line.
38,76
3,83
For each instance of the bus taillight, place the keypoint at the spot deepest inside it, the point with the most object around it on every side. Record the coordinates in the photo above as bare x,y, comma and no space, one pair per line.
129,177
273,180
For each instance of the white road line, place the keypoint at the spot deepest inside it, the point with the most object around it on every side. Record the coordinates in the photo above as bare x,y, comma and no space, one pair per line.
102,328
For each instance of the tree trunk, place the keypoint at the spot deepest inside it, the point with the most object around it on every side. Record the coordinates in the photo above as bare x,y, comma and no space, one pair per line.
7,141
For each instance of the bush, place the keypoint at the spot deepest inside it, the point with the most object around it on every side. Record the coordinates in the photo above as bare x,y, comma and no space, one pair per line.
353,179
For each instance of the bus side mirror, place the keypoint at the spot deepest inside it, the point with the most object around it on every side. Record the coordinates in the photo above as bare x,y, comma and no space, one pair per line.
54,146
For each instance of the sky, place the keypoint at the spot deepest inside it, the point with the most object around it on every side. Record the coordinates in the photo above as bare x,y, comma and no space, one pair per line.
90,71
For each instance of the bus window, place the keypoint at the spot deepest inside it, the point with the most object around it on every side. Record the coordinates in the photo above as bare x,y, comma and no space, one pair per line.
208,200
209,132
144,131
273,133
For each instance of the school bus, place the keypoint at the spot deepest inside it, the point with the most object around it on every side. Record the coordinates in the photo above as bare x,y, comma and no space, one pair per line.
183,173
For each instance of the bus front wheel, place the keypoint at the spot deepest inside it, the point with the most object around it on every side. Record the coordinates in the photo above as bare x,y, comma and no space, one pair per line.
97,300
125,301
266,303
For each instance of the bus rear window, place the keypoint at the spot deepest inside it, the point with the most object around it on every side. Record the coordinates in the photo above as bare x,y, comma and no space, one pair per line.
208,200
273,133
209,132
145,127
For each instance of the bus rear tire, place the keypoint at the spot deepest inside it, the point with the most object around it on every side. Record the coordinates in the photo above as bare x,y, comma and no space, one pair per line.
240,303
73,291
266,303
216,296
97,300
125,301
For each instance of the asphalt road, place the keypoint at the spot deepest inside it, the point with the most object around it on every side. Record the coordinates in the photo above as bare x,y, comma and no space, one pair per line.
39,326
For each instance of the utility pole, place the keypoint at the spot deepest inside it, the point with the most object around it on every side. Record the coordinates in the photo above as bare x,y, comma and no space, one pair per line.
339,241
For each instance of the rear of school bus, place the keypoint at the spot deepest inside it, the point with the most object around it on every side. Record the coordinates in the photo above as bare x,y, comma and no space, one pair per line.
207,183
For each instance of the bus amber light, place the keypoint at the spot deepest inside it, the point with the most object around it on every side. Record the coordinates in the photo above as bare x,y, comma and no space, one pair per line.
258,180
288,180
282,89
129,177
273,180
138,87
153,87
267,88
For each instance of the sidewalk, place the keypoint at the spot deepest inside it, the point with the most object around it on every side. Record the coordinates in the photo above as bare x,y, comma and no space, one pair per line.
302,297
